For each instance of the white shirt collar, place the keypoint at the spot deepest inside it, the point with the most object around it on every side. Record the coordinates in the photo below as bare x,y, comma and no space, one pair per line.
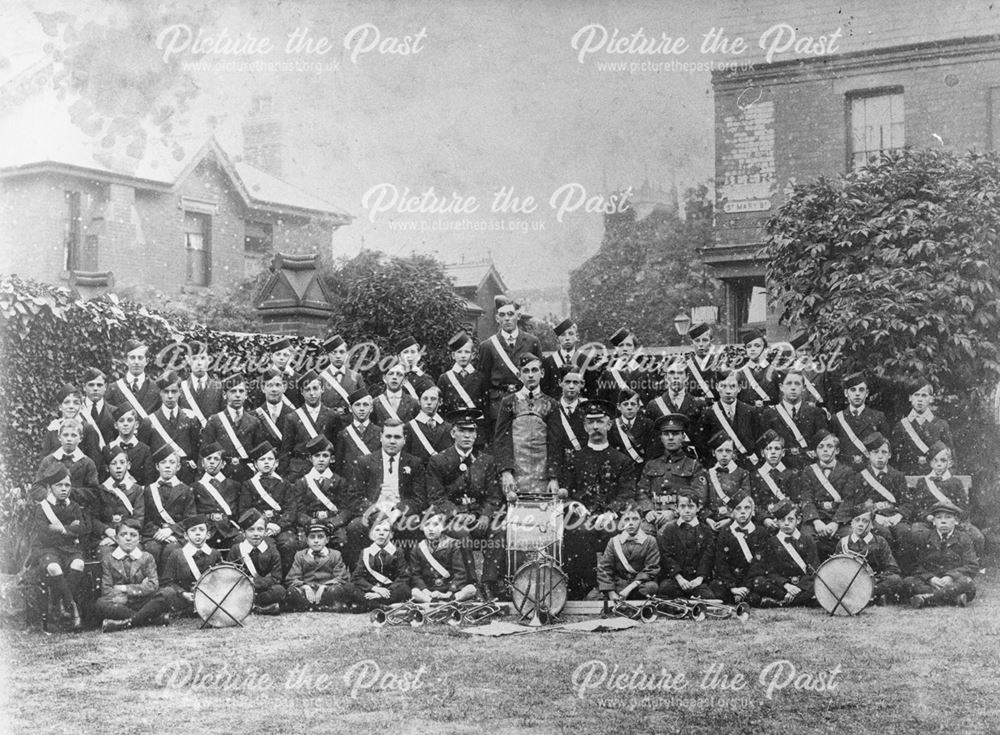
467,370
423,418
128,481
52,500
524,392
389,548
945,476
393,393
927,415
119,554
218,477
190,549
76,456
385,461
324,475
174,482
510,336
867,538
796,534
570,407
693,522
139,380
767,468
731,467
640,537
246,547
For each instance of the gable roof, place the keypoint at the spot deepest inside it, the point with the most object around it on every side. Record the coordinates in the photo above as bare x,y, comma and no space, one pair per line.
474,275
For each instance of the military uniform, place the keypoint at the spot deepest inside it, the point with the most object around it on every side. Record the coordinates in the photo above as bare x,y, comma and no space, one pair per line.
662,478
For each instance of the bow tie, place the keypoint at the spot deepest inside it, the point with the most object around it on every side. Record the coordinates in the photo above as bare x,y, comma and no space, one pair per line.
722,470
740,530
121,485
317,554
165,484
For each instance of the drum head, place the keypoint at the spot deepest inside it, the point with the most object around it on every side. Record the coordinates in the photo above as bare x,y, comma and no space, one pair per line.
538,584
223,596
844,585
534,525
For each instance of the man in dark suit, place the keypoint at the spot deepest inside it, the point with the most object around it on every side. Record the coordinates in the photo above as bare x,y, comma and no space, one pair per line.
235,429
135,388
275,409
857,421
500,355
796,421
339,381
731,416
96,411
200,392
387,479
675,399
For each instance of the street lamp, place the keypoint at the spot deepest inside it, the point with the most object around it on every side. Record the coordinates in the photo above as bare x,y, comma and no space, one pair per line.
682,322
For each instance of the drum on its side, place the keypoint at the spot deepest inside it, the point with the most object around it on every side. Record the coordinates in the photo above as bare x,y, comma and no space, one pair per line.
223,596
539,585
844,584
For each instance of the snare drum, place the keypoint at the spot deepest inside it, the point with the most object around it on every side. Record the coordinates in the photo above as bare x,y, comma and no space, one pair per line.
223,596
844,584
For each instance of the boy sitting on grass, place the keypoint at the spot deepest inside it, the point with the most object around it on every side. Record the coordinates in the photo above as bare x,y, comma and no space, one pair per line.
630,564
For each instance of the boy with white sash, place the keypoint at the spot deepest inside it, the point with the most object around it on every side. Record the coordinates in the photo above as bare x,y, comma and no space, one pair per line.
500,355
339,381
282,351
571,433
201,393
861,540
726,481
462,386
96,411
789,563
732,417
273,412
616,375
57,524
940,486
261,561
885,488
320,493
269,493
566,353
701,363
139,453
360,436
415,379
773,482
381,576
318,579
70,402
439,568
913,435
824,487
173,425
135,388
82,469
217,497
676,398
428,433
310,420
394,402
759,389
739,551
629,567
235,428
166,502
187,563
121,498
632,432
857,421
796,420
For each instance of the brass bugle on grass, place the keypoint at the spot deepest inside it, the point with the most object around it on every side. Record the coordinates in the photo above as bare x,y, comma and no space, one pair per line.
678,609
402,614
643,611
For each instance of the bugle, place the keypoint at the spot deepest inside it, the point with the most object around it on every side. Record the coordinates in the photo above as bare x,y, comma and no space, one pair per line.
401,614
444,612
678,609
625,609
720,611
477,614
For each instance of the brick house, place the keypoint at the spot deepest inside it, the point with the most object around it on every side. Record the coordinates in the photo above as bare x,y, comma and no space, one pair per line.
477,283
904,74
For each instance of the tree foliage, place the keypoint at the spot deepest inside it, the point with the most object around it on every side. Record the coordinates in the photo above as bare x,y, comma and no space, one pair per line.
645,272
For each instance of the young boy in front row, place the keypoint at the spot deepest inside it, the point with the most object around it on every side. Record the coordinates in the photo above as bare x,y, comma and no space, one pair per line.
58,523
318,578
739,551
381,576
789,563
437,564
686,551
630,564
186,564
261,562
130,587
946,563
889,586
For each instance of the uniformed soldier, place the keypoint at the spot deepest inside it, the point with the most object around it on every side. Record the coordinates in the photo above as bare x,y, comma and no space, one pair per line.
665,475
676,399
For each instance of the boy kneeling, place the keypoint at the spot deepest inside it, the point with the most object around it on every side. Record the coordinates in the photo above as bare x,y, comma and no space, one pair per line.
945,562
130,596
438,565
630,564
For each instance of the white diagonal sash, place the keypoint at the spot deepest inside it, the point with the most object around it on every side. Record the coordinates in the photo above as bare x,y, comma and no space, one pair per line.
130,397
267,420
358,441
335,384
287,401
730,431
627,443
713,475
192,403
195,571
771,484
794,553
248,562
812,390
460,389
90,420
379,577
388,407
936,491
411,390
424,441
307,422
264,494
51,515
429,556
790,423
616,544
919,443
877,486
825,482
569,430
504,357
558,359
617,377
698,377
167,439
662,405
859,445
154,492
314,489
755,384
227,426
216,495
747,554
120,495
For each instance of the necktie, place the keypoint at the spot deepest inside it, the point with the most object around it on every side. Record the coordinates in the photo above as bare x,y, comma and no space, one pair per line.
120,485
172,416
740,530
127,566
795,412
200,385
237,415
93,411
510,344
164,484
392,460
132,384
723,470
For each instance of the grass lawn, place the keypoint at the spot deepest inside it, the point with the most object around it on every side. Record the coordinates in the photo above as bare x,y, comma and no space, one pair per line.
896,671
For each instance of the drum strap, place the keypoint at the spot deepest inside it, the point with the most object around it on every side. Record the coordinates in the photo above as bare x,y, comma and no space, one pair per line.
793,552
851,434
877,486
460,389
167,439
356,438
245,550
825,482
314,488
307,422
130,397
919,443
627,443
264,494
714,477
422,438
502,353
790,423
119,494
620,553
231,433
192,403
569,430
216,495
755,384
936,491
367,556
765,475
388,407
154,493
744,547
51,515
698,377
731,432
266,417
425,549
189,552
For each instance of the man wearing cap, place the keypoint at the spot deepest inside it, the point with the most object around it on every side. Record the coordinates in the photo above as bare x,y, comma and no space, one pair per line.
234,428
462,386
500,355
95,410
281,352
601,483
339,380
200,392
360,436
564,355
394,402
466,483
175,426
857,421
526,440
308,422
186,564
676,399
664,476
759,390
135,388
795,420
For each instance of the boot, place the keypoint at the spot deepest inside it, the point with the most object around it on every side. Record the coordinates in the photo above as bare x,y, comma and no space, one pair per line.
962,600
74,617
918,602
113,626
272,609
769,602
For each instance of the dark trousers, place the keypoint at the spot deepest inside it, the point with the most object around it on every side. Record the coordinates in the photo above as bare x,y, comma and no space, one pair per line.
890,585
774,587
948,595
722,591
140,610
670,589
160,552
333,595
264,596
581,549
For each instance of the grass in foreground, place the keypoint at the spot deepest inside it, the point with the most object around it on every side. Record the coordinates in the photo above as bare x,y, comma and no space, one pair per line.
892,670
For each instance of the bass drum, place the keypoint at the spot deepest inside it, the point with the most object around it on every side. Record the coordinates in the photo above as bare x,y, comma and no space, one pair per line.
844,584
539,585
223,596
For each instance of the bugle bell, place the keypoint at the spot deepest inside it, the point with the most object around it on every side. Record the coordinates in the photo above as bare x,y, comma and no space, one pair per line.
446,612
481,613
720,611
624,608
678,609
398,615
